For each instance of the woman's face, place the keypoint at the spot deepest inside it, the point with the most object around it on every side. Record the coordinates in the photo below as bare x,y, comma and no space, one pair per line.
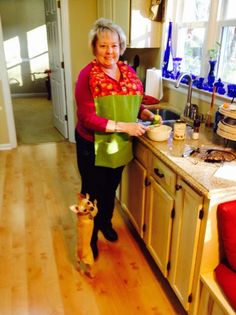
107,49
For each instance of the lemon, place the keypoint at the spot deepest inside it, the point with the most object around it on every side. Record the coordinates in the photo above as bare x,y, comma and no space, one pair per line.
156,119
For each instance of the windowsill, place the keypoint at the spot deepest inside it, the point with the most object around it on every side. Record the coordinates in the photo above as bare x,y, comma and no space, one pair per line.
197,93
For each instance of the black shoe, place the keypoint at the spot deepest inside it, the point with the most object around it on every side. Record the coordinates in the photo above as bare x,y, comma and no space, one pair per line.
110,234
94,249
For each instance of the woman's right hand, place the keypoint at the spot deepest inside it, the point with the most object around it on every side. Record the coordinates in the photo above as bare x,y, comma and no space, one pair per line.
132,128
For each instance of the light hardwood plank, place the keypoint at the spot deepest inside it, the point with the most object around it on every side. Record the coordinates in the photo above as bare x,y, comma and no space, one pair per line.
38,274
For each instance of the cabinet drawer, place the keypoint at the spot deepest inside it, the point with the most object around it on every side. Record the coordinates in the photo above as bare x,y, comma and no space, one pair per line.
163,174
141,153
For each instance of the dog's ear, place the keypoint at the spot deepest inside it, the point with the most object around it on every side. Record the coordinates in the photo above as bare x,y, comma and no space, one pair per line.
80,196
95,208
74,208
87,196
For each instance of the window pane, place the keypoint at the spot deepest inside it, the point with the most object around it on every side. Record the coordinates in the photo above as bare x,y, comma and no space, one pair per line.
229,7
190,43
196,10
12,51
37,41
227,70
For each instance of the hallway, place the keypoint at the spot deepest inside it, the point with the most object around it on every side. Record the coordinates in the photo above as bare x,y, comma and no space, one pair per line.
34,121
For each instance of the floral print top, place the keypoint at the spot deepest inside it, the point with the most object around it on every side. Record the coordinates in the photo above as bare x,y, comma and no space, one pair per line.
102,85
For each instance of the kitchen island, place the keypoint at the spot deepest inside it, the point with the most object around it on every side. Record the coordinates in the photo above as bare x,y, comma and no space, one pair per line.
172,202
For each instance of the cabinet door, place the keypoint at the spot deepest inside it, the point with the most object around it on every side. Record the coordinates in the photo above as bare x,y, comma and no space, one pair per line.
159,224
104,9
121,15
144,33
133,193
184,243
133,17
116,10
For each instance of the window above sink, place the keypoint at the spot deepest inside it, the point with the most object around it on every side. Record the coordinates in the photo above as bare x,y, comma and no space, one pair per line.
197,26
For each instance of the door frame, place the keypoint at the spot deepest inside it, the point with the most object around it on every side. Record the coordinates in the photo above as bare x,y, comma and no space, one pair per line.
65,30
68,84
7,98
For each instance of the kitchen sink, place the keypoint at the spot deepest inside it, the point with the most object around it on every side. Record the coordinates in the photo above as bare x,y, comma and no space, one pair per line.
169,117
168,114
169,122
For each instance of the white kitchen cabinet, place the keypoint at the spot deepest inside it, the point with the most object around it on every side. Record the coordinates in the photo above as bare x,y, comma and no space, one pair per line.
159,209
155,197
133,194
133,17
180,221
104,8
117,11
133,188
184,241
144,33
173,227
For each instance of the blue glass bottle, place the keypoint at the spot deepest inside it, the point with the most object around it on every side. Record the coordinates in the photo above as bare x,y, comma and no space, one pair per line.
168,52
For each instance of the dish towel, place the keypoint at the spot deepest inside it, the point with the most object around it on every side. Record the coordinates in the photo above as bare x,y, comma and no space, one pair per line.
153,86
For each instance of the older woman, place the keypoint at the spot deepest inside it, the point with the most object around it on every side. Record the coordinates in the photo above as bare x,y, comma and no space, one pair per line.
108,96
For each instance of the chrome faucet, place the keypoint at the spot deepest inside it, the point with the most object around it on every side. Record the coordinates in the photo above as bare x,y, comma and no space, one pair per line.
187,109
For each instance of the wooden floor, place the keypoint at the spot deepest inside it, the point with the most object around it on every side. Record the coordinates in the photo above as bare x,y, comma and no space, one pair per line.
38,273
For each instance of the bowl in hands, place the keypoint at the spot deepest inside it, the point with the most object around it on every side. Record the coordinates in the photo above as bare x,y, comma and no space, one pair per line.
159,133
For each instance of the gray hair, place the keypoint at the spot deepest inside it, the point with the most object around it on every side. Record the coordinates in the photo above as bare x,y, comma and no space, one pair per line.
102,25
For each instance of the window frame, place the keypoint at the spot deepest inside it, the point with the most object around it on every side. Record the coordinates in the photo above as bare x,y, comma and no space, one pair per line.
212,35
213,28
221,25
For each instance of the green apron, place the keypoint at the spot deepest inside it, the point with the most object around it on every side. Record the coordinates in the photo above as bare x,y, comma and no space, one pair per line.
115,149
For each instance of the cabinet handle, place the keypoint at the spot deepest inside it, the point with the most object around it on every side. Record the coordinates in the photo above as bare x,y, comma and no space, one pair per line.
178,187
147,182
157,172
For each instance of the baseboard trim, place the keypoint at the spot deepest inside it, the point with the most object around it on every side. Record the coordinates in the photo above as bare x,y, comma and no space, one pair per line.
6,146
21,95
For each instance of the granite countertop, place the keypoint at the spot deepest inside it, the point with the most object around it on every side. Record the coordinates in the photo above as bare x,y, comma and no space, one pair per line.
207,178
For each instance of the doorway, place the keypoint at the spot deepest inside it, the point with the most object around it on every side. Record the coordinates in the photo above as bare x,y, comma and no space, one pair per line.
32,110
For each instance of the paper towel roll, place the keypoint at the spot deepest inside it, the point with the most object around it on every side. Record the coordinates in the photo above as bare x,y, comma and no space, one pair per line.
153,86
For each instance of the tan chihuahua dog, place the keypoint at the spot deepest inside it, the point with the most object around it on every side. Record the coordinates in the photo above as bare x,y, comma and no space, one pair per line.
86,211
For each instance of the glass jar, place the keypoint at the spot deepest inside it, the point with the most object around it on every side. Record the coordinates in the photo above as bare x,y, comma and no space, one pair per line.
179,130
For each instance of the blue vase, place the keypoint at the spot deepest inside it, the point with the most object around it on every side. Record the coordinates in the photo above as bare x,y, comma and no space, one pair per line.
168,52
211,74
176,67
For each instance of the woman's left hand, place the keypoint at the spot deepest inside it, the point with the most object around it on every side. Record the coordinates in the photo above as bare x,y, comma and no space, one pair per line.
148,115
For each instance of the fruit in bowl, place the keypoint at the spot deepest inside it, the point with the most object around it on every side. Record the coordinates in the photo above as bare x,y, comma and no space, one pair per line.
159,132
157,120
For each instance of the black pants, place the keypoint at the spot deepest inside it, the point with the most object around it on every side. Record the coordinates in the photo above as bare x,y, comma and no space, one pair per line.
99,182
